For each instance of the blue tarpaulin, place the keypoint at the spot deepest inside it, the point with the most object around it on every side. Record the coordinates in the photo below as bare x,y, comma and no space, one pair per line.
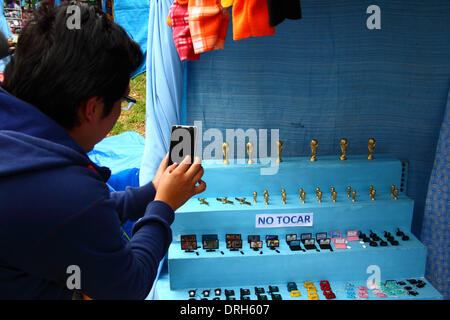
123,155
133,17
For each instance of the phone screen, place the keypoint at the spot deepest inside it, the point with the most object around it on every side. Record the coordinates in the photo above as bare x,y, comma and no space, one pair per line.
182,143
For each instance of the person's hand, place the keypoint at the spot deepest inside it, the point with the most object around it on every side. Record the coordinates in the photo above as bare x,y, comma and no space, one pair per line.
178,182
162,167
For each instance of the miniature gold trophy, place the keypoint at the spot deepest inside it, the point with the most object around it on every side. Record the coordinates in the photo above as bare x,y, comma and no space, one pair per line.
254,197
225,200
266,198
373,194
349,191
280,148
353,195
334,196
243,201
319,196
314,145
396,194
249,152
344,145
225,149
371,146
300,192
392,190
303,197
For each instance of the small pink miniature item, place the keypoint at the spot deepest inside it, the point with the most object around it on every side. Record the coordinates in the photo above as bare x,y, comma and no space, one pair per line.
352,235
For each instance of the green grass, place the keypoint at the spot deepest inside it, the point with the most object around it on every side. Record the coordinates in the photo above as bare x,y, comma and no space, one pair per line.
133,119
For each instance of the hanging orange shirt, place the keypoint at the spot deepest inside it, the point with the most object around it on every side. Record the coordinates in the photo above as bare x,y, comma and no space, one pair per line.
208,22
251,19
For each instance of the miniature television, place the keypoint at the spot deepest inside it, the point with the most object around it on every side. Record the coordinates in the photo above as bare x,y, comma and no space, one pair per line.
273,243
210,242
189,242
233,241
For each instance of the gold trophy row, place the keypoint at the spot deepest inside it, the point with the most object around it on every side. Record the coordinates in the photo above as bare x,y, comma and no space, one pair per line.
302,196
314,145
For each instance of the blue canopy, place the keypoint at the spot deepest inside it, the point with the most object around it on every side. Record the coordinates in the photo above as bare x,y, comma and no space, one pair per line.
133,17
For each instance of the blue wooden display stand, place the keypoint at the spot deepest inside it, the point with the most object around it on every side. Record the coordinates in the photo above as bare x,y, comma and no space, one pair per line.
223,268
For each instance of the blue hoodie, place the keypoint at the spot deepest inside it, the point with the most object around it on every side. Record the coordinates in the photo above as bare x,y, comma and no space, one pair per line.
56,211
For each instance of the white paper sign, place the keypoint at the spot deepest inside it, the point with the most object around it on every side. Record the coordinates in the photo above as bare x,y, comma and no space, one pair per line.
282,220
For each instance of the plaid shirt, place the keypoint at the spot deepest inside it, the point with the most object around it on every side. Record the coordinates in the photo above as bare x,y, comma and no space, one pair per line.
179,21
208,22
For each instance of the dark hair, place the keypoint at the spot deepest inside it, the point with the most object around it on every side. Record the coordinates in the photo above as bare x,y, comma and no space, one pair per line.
57,68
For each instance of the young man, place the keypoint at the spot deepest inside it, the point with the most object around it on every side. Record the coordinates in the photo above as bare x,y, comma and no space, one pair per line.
62,94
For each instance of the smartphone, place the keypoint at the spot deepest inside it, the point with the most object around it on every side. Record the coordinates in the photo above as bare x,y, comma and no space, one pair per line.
182,143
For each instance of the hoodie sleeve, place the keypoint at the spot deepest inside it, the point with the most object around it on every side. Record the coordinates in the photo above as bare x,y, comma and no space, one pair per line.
132,202
110,268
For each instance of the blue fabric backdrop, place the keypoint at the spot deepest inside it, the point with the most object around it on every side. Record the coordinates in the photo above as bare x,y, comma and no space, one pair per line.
435,231
327,76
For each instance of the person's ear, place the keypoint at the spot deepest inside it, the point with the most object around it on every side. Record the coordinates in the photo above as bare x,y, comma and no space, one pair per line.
91,110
